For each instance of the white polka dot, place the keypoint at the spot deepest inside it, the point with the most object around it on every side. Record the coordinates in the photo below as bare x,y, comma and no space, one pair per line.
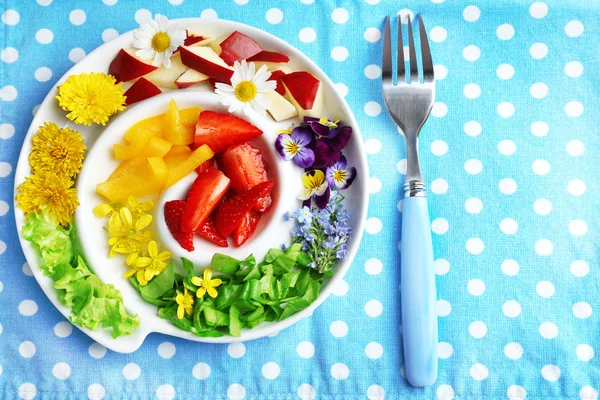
507,147
61,370
11,17
473,166
8,93
438,34
166,350
444,350
109,34
372,109
511,309
514,351
548,330
404,14
544,247
1,289
305,349
544,289
44,36
507,186
374,350
542,206
371,2
76,54
201,371
551,373
27,349
441,266
516,392
477,329
373,225
142,16
479,372
439,226
373,308
236,350
538,10
340,16
505,32
576,187
401,166
539,90
471,13
476,287
236,392
374,185
307,35
580,268
582,310
5,169
574,109
131,371
9,55
26,307
27,269
439,109
44,2
472,128
338,329
538,50
471,53
270,370
375,392
43,74
372,146
241,2
63,329
176,2
574,69
578,227
165,392
505,71
540,167
97,351
110,2
274,16
475,246
584,352
209,13
2,250
440,72
340,288
341,89
340,371
472,91
27,391
540,128
373,266
443,308
77,17
444,392
473,205
439,186
306,391
574,28
588,393
372,71
506,109
6,131
575,148
339,53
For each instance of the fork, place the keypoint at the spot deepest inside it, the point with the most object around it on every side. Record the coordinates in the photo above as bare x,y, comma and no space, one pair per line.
409,102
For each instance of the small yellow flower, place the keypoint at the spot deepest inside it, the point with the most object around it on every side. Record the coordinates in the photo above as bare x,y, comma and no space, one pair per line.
91,98
287,131
137,208
104,210
186,303
127,234
206,284
154,264
57,150
46,189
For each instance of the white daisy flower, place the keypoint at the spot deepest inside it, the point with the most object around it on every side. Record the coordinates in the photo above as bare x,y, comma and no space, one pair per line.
157,39
248,88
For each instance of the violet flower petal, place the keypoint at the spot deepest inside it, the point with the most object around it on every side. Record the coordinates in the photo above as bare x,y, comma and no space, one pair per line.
302,135
348,179
319,129
325,156
281,145
323,200
340,141
305,158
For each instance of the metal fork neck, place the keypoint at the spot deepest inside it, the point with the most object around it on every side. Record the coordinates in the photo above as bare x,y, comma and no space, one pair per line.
414,186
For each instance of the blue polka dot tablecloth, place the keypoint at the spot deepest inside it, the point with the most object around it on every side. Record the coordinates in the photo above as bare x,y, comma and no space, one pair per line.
511,155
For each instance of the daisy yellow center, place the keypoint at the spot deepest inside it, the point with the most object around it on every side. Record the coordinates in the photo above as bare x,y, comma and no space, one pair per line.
161,42
245,91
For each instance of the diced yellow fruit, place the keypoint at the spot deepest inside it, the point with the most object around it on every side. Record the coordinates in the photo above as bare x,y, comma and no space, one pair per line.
183,168
135,147
174,161
156,147
148,177
153,124
179,150
180,125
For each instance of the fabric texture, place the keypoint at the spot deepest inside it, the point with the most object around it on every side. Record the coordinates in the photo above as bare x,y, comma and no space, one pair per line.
510,156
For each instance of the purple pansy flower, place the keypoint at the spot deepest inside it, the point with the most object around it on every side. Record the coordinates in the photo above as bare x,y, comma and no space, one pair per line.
296,146
325,156
339,176
315,187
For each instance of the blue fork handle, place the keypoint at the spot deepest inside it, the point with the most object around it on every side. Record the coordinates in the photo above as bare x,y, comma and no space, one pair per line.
419,316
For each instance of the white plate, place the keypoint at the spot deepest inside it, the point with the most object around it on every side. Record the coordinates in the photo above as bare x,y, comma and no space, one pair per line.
98,165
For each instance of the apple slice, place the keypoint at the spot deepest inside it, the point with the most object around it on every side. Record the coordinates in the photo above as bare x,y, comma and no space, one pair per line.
280,109
304,91
272,60
126,66
237,47
206,61
276,76
165,77
189,78
142,89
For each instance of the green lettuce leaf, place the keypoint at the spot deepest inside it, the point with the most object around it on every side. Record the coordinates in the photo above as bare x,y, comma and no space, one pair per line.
52,241
157,287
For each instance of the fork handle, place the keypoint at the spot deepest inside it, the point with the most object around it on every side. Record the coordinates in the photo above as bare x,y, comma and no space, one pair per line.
419,316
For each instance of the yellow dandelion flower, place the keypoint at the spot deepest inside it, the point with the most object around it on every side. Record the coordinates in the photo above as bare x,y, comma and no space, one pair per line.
57,150
185,303
45,189
91,98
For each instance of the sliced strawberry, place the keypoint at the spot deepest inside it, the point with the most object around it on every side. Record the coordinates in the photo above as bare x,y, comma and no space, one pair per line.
276,76
206,165
205,194
209,232
245,166
237,47
246,228
232,211
221,130
173,214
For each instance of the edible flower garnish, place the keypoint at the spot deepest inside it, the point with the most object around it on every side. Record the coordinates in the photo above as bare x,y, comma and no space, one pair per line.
185,303
248,88
295,146
91,98
54,192
127,233
206,284
339,176
57,150
156,39
315,187
152,265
